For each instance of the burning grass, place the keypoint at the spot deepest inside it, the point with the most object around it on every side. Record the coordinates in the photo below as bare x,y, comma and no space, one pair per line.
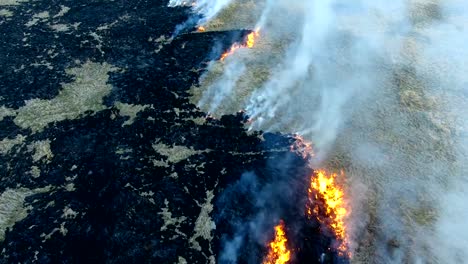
393,145
327,205
249,42
278,251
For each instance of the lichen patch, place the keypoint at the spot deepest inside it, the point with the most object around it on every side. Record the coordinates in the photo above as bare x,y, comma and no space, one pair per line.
63,11
12,208
35,172
7,144
84,94
129,110
5,13
39,17
11,2
204,224
69,213
4,111
181,260
60,27
166,215
175,153
41,151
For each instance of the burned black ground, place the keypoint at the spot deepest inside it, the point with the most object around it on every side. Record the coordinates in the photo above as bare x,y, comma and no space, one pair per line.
103,188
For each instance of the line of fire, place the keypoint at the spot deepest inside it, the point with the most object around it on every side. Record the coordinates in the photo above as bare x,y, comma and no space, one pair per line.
318,234
322,235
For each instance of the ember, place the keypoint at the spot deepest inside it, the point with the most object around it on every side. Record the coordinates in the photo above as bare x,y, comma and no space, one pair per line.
279,252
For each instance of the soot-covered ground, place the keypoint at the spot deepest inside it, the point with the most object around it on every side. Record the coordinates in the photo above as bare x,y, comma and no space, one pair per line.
103,159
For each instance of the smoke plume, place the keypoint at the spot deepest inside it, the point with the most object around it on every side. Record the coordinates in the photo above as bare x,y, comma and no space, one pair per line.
381,90
207,8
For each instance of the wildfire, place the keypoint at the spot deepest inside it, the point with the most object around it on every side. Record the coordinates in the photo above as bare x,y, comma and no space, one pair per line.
302,147
251,38
201,29
249,42
279,252
328,206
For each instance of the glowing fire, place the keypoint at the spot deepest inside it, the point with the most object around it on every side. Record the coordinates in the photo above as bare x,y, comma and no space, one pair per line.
302,147
279,252
251,38
201,29
249,42
328,206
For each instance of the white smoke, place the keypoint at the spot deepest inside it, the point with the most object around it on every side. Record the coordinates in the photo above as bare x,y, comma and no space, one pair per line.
381,89
207,8
224,87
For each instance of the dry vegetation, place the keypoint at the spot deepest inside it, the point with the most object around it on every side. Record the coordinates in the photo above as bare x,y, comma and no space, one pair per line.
406,134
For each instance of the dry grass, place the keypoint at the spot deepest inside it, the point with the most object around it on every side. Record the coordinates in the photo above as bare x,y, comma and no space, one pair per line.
396,146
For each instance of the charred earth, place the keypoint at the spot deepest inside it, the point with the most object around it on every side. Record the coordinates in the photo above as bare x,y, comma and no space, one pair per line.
103,159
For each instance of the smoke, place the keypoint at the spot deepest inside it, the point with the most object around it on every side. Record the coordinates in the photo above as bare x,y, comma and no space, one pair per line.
224,87
261,211
207,8
381,90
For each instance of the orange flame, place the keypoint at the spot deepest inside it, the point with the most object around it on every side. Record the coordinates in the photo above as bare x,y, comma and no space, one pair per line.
249,42
327,204
201,29
251,38
302,147
279,252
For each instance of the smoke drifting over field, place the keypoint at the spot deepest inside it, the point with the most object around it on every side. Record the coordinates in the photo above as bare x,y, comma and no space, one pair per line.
207,8
381,90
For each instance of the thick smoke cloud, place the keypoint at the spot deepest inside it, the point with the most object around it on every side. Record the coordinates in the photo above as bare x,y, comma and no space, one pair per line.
381,89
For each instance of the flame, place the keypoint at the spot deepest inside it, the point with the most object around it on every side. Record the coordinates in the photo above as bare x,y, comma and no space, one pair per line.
249,42
201,29
230,51
302,147
279,252
251,38
328,206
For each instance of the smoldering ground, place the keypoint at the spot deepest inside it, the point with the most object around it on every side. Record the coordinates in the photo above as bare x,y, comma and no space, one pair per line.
380,88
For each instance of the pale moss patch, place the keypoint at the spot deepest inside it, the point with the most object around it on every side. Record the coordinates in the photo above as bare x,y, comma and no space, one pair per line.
166,215
70,187
7,144
35,172
63,11
69,213
160,42
4,111
41,151
61,229
39,17
60,27
12,207
43,15
5,13
85,93
11,2
130,111
181,260
204,224
175,153
160,163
